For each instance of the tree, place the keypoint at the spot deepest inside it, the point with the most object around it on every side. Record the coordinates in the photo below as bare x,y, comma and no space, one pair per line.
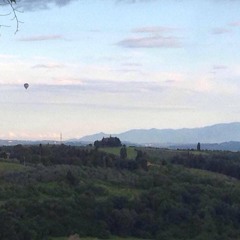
12,12
141,160
3,155
123,152
71,178
198,147
108,142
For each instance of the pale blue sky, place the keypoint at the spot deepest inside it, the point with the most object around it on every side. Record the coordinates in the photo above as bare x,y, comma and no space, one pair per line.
112,65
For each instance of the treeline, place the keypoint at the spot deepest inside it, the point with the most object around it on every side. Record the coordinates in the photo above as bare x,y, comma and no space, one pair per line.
108,142
227,163
71,155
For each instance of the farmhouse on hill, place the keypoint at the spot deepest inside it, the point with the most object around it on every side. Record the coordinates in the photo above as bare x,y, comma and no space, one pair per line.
108,142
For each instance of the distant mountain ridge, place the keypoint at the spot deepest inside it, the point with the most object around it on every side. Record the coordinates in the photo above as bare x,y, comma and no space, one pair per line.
218,133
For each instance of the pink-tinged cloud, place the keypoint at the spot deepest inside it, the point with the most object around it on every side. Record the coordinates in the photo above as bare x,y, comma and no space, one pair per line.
41,38
234,24
151,42
220,31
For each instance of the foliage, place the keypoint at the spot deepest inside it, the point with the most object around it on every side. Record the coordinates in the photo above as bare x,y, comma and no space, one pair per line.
12,4
123,152
70,190
108,142
198,147
11,166
227,163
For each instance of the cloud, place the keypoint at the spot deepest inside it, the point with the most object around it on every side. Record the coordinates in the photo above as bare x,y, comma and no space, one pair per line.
134,1
154,29
135,65
127,71
220,31
216,68
219,67
105,86
31,5
6,57
41,38
151,42
234,24
48,66
170,81
152,37
129,67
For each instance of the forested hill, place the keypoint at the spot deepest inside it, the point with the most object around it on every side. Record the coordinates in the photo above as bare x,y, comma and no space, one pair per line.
54,191
210,134
225,146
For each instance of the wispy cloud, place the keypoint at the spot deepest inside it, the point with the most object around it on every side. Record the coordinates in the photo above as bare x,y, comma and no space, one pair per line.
6,56
229,28
154,29
41,38
124,70
170,81
107,86
134,1
31,5
48,66
151,42
152,37
234,24
134,65
220,67
220,30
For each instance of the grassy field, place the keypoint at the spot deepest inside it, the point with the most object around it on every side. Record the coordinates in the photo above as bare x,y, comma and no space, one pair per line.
8,166
120,190
131,153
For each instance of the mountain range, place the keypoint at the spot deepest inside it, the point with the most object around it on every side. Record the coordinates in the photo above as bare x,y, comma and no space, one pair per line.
215,134
223,136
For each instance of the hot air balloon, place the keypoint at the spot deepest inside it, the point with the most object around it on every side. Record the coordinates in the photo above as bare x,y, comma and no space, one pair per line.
26,85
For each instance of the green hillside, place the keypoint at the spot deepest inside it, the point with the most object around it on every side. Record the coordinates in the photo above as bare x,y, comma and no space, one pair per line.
131,152
64,190
10,166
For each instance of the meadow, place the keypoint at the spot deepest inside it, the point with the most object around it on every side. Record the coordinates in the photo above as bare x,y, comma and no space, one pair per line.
6,166
131,151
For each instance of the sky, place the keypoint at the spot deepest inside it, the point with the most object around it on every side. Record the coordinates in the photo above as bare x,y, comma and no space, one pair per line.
114,65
